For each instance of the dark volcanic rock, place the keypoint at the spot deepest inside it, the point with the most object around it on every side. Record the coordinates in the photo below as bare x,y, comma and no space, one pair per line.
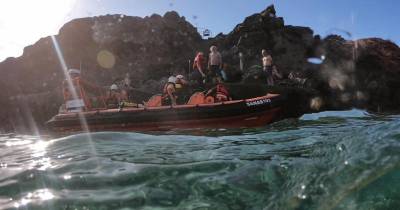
289,45
363,73
106,48
378,73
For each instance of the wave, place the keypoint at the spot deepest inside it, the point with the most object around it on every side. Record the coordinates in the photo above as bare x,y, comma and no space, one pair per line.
340,161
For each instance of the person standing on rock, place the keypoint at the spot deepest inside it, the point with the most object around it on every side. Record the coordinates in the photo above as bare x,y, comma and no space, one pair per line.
214,63
199,74
269,69
126,86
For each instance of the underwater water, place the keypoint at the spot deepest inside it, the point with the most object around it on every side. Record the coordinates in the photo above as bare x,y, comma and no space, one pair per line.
331,160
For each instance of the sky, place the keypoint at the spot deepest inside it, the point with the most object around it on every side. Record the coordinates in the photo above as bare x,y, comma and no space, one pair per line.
23,22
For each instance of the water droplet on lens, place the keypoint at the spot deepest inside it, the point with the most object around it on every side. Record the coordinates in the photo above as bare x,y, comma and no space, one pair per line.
67,177
315,60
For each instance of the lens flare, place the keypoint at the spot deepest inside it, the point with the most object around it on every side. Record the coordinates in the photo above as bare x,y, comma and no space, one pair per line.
64,69
106,59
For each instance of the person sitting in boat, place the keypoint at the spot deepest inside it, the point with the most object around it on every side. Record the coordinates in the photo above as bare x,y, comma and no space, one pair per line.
219,92
181,89
169,92
270,71
114,97
76,92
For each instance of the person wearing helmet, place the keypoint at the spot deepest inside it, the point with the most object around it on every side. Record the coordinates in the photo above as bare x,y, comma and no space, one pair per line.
114,97
169,92
181,89
77,97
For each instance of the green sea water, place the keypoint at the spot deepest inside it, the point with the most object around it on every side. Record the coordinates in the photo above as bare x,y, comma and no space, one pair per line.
332,160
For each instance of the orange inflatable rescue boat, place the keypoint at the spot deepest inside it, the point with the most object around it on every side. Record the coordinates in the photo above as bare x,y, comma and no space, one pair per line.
200,112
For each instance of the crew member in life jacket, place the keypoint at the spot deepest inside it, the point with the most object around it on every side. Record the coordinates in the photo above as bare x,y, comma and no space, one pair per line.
76,97
220,92
181,89
114,97
169,92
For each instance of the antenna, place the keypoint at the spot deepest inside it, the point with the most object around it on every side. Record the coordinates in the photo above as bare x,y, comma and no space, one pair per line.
241,61
190,67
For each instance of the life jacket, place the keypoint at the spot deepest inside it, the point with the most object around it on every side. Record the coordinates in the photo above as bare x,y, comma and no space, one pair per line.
82,102
179,86
222,94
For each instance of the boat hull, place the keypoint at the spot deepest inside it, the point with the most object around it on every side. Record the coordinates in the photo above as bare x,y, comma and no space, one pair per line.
239,113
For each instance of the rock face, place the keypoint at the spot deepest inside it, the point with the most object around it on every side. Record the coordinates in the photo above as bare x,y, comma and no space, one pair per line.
289,45
362,73
105,48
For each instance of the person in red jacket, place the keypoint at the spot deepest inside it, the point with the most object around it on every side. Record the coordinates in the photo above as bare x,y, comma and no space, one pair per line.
220,92
199,67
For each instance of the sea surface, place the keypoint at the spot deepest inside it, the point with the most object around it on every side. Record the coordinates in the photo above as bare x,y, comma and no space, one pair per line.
331,160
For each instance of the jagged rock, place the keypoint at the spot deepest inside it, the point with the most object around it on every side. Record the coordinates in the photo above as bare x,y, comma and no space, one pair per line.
378,74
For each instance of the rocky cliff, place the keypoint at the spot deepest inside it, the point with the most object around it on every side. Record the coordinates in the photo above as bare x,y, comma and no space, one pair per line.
353,73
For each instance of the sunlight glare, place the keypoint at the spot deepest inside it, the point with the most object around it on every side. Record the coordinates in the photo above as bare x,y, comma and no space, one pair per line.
23,22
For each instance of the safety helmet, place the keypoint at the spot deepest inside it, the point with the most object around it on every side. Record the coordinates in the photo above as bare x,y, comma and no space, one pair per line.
74,71
172,79
114,87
